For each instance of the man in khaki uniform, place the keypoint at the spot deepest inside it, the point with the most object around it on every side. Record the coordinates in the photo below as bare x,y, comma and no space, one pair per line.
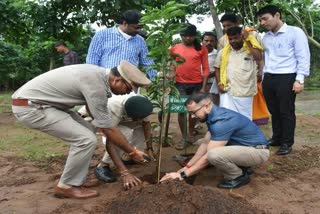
236,71
131,114
45,104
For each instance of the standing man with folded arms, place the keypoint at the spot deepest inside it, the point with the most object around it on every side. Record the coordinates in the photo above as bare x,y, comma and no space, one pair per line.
45,104
287,63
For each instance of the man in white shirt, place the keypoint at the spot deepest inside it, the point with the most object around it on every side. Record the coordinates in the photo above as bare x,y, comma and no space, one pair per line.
287,63
209,40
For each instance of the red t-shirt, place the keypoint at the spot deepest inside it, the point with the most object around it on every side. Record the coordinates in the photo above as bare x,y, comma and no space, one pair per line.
196,65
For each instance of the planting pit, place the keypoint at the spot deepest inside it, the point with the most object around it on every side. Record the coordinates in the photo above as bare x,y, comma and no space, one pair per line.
177,197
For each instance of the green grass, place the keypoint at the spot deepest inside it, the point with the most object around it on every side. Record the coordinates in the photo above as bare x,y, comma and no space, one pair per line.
29,144
5,102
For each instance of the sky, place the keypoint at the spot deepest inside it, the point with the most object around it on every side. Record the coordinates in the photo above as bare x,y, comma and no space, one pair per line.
205,25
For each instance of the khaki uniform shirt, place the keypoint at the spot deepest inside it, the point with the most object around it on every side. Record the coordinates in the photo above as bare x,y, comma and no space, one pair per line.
116,107
241,73
68,86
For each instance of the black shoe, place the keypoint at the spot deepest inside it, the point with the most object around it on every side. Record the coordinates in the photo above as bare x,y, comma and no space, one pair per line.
284,149
235,183
247,170
105,174
272,142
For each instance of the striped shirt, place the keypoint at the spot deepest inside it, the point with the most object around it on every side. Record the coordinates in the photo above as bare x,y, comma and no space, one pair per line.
108,47
71,58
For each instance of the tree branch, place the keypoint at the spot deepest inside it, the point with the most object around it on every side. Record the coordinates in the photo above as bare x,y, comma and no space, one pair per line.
215,19
311,24
297,18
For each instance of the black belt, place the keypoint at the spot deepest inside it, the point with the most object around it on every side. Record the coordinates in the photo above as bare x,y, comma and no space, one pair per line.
272,75
261,146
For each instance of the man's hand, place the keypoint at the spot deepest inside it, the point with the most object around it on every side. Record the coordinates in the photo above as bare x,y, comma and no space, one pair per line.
244,34
130,181
259,78
221,88
139,157
297,87
171,176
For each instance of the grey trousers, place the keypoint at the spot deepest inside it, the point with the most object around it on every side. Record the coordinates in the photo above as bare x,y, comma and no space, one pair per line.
71,128
228,159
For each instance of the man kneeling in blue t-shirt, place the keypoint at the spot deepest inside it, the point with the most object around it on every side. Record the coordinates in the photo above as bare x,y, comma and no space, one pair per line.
233,144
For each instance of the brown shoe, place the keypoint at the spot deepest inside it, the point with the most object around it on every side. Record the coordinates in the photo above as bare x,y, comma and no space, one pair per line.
91,183
75,192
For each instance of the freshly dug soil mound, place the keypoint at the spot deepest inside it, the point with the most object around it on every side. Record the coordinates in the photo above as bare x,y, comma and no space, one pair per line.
175,198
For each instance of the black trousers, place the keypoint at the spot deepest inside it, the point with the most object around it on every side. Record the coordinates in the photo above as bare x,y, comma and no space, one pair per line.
277,90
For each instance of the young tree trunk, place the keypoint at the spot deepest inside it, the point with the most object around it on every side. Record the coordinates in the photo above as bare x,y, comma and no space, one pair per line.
51,64
215,19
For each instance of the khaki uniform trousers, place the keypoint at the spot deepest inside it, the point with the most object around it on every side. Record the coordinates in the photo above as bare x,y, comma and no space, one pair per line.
71,128
227,159
133,132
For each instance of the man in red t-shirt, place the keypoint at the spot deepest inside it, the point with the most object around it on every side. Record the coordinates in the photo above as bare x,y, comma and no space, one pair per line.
192,75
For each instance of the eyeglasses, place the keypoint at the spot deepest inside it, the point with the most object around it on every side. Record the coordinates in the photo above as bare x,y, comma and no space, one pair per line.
194,112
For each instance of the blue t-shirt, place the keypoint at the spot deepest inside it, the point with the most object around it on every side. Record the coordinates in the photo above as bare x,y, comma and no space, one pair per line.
238,130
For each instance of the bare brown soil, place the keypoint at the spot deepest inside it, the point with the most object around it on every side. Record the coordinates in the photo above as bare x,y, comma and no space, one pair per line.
177,197
288,184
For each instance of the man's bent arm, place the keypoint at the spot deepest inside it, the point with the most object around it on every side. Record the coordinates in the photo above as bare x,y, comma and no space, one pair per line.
115,156
114,135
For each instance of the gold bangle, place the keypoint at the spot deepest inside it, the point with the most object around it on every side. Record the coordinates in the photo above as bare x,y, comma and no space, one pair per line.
135,150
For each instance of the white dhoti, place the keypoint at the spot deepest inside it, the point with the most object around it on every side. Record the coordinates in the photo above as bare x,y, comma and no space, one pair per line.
242,105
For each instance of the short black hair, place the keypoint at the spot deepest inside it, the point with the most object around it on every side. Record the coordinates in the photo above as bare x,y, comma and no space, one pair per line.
234,31
59,44
191,30
208,33
197,97
130,17
272,9
230,17
188,30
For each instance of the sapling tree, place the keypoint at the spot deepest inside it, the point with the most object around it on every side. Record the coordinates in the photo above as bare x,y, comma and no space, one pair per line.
162,24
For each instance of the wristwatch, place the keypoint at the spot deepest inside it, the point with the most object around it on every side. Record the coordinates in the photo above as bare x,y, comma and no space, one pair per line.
183,175
300,81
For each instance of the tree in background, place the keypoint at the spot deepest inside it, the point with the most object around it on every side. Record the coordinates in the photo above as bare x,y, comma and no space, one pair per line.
32,27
